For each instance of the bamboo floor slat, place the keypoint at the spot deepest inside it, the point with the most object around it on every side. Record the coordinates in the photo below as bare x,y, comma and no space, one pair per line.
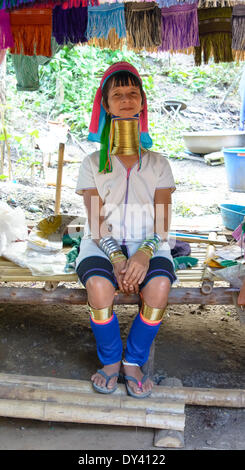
11,272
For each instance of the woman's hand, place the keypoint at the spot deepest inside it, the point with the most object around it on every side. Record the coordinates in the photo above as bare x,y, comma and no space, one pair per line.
135,271
117,268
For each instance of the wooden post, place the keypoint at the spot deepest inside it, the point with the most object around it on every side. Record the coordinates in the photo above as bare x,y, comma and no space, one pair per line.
59,178
169,437
240,309
148,367
207,283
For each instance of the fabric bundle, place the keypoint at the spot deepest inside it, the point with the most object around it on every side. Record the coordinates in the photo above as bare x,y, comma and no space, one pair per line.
215,35
104,18
26,68
31,29
143,23
6,38
238,28
70,26
179,27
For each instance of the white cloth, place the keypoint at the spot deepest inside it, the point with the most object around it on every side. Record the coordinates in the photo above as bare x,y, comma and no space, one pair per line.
128,199
40,264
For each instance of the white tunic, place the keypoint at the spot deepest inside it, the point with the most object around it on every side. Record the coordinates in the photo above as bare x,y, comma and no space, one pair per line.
128,200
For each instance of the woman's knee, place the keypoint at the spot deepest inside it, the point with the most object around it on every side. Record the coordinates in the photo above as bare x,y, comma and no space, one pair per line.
156,291
100,292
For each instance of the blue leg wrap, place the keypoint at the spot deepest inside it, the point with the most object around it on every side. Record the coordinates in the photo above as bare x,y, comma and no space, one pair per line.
139,341
108,340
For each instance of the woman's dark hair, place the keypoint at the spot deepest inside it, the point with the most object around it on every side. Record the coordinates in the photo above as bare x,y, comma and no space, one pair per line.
121,79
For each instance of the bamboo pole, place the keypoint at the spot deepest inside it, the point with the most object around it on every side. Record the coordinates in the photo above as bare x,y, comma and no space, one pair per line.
47,411
234,398
59,177
31,278
61,397
74,296
189,239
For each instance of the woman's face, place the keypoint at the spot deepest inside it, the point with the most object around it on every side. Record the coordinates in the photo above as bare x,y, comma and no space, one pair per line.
124,101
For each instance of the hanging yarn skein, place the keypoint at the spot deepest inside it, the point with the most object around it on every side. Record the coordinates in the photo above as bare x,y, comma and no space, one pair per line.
78,3
215,3
238,27
15,4
31,29
70,25
143,24
215,35
170,3
6,38
179,27
105,17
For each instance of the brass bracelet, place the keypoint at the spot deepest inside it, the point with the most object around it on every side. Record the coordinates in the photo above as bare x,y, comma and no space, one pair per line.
117,260
147,250
117,256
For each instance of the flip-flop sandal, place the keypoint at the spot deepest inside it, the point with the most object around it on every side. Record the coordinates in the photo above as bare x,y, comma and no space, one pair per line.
107,377
139,383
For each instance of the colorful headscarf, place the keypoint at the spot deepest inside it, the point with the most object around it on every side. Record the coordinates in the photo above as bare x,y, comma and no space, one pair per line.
99,119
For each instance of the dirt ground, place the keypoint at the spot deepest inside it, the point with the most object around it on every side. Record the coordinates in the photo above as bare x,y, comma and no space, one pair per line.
203,347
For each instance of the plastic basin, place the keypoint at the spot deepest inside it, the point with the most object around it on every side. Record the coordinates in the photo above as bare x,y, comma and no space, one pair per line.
232,215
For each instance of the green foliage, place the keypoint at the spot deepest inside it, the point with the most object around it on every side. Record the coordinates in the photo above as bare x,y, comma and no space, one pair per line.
183,210
201,78
167,136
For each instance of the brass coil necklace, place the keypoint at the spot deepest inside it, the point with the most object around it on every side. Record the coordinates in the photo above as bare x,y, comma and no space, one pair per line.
125,136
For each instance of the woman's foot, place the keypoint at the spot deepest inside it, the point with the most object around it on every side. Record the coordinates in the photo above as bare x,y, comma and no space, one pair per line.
102,382
138,388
